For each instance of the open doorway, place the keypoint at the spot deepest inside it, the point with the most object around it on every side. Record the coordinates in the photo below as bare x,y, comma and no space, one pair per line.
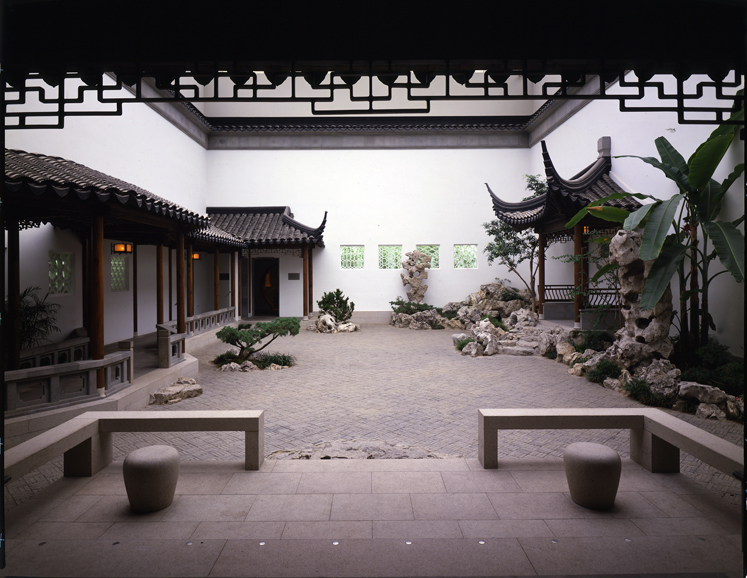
266,286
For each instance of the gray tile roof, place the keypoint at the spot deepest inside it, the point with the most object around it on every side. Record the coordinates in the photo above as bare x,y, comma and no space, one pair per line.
47,175
564,197
261,226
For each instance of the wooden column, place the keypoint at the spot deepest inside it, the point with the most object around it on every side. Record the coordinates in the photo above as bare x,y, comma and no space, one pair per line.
159,283
585,271
311,280
216,280
96,346
232,278
238,285
248,311
578,249
190,282
86,275
181,323
134,289
305,255
171,285
541,275
14,294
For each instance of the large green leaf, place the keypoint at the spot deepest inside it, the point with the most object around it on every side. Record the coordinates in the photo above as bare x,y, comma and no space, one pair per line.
609,213
635,218
669,170
670,156
706,159
728,181
737,115
661,272
729,244
657,227
708,205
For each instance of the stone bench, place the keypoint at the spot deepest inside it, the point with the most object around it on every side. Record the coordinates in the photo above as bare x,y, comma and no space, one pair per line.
656,437
86,440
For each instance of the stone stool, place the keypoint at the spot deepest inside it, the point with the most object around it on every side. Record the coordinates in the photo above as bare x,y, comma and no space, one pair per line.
150,476
593,474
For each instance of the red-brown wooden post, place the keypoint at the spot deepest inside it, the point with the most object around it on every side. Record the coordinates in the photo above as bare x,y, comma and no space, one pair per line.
159,283
190,282
134,289
305,255
171,288
97,295
311,279
541,275
181,323
232,278
14,294
216,280
578,249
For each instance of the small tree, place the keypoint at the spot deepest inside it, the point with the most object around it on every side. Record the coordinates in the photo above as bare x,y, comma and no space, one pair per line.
511,248
245,339
37,317
336,304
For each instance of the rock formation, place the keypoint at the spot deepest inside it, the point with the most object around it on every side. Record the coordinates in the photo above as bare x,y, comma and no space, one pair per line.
326,323
416,266
182,388
645,335
357,449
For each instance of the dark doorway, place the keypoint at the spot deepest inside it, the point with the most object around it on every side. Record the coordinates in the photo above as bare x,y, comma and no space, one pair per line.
266,287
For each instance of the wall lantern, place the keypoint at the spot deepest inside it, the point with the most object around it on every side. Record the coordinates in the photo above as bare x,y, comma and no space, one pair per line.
586,229
195,256
125,248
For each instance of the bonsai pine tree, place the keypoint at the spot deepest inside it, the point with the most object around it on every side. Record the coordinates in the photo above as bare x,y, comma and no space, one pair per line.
336,304
247,338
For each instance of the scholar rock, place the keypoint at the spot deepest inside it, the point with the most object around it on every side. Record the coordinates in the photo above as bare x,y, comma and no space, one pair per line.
546,343
703,393
577,370
457,337
645,334
230,367
416,267
564,348
611,383
662,377
710,411
473,349
522,318
326,323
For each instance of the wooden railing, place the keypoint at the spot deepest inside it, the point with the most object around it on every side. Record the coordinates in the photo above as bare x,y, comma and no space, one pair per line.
210,320
596,297
42,388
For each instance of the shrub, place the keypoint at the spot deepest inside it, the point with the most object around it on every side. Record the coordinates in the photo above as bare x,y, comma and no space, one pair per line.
509,294
246,339
640,390
552,354
264,360
730,378
38,318
602,370
495,321
399,305
449,314
713,355
460,345
595,340
337,305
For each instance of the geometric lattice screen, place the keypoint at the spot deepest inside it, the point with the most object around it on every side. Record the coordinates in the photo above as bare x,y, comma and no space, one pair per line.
351,256
61,273
120,270
390,256
465,256
431,251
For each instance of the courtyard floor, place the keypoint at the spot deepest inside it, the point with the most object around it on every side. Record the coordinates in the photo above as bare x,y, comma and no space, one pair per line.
387,517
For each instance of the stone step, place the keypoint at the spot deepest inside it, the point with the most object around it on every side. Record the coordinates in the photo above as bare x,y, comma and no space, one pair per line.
527,344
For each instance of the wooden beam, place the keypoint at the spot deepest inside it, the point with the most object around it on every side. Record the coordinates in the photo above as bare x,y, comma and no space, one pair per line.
238,285
14,293
181,322
541,275
248,311
86,291
578,249
159,283
134,289
216,280
96,345
305,255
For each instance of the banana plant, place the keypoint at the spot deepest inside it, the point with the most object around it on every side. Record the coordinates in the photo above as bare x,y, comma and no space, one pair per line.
693,214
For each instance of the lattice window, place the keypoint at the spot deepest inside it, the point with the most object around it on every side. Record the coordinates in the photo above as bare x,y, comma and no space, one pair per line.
390,256
120,273
431,251
61,273
465,256
351,256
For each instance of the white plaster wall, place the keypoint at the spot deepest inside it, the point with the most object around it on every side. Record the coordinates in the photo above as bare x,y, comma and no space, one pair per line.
573,146
398,197
35,245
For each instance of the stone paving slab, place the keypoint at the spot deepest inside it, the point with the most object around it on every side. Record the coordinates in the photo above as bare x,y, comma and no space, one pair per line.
401,386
